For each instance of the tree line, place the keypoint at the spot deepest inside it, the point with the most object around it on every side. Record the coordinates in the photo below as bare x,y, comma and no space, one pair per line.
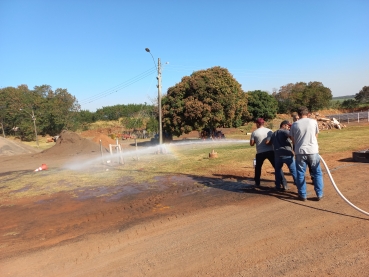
210,98
51,111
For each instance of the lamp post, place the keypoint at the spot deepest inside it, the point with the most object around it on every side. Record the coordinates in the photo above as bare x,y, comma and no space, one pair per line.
34,123
158,68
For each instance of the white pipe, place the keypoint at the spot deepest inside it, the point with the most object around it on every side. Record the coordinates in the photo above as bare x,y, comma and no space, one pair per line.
338,191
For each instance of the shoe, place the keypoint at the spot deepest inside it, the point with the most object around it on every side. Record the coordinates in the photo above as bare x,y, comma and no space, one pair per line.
285,188
257,185
318,198
302,198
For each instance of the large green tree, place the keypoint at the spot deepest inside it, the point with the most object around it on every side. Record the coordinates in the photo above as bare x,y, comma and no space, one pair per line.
363,95
313,95
208,98
262,104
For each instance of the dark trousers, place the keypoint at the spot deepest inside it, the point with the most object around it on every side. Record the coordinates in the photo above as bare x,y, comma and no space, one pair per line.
260,158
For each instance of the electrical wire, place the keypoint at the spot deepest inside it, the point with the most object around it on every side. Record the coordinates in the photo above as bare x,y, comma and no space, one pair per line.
338,191
118,87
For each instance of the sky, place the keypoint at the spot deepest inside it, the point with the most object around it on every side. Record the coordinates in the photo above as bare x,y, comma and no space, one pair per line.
96,49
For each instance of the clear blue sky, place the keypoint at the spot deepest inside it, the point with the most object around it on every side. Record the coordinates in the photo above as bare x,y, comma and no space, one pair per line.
96,49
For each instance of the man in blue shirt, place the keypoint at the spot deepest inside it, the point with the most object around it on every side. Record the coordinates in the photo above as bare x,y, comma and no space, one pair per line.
283,154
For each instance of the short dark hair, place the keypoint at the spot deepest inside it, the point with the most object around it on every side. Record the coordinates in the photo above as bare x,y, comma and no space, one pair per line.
284,122
302,111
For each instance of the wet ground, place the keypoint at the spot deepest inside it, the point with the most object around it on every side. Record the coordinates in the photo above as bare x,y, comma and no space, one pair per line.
182,225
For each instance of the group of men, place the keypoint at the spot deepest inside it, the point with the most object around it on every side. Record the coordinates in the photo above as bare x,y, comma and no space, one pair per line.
295,145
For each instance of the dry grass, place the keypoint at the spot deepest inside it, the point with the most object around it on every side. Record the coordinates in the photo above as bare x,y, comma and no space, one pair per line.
104,124
43,145
189,159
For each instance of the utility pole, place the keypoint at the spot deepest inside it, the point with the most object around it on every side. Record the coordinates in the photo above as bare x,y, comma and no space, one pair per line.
158,68
159,104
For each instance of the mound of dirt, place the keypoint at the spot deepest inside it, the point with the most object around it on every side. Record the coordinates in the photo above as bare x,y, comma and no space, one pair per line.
105,140
11,147
70,143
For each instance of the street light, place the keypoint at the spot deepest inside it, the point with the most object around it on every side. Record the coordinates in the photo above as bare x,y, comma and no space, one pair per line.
34,123
158,68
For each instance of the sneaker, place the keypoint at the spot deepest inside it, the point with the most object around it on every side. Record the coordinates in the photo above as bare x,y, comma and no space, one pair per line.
302,198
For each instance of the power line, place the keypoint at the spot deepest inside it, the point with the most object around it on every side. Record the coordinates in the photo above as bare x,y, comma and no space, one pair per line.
118,87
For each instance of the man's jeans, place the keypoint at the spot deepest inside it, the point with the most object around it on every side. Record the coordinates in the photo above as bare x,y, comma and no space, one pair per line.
316,172
260,158
290,162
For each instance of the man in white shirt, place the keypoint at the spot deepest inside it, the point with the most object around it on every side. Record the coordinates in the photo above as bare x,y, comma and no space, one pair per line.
263,150
304,133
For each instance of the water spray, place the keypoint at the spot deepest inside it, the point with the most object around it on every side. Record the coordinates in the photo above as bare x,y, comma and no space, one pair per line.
338,191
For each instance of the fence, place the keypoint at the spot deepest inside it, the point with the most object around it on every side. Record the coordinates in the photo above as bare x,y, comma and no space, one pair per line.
351,117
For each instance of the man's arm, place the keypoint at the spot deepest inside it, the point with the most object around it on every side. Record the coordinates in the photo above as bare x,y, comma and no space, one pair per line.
269,140
252,139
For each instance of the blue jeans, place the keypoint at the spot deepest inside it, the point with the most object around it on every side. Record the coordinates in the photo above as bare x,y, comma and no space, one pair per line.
316,172
290,162
260,158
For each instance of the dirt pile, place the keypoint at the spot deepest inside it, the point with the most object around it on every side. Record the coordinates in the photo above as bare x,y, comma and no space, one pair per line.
70,143
105,140
11,147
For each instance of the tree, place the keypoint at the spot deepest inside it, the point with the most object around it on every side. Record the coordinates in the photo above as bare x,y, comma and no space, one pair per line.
363,95
208,98
284,98
317,96
349,104
53,111
262,104
117,111
313,95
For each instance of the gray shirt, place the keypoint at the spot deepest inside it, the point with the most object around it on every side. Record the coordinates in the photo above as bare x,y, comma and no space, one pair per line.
304,133
260,136
281,143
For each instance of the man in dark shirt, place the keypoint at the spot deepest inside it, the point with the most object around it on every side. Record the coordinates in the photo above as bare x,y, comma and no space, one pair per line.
283,154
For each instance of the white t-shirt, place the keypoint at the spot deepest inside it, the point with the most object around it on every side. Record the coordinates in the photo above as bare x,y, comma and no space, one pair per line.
304,133
260,136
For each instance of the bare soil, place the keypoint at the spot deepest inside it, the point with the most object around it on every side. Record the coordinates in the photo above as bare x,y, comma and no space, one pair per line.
215,225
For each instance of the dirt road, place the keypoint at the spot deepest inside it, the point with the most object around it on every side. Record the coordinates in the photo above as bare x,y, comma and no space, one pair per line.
208,226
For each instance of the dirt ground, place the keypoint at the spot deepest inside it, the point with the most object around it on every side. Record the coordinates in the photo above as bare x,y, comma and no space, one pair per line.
216,225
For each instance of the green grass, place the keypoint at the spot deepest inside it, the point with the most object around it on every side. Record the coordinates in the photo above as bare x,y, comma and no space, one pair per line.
189,159
350,138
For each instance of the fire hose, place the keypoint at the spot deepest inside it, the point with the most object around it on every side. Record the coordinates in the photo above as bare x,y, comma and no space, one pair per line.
338,191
